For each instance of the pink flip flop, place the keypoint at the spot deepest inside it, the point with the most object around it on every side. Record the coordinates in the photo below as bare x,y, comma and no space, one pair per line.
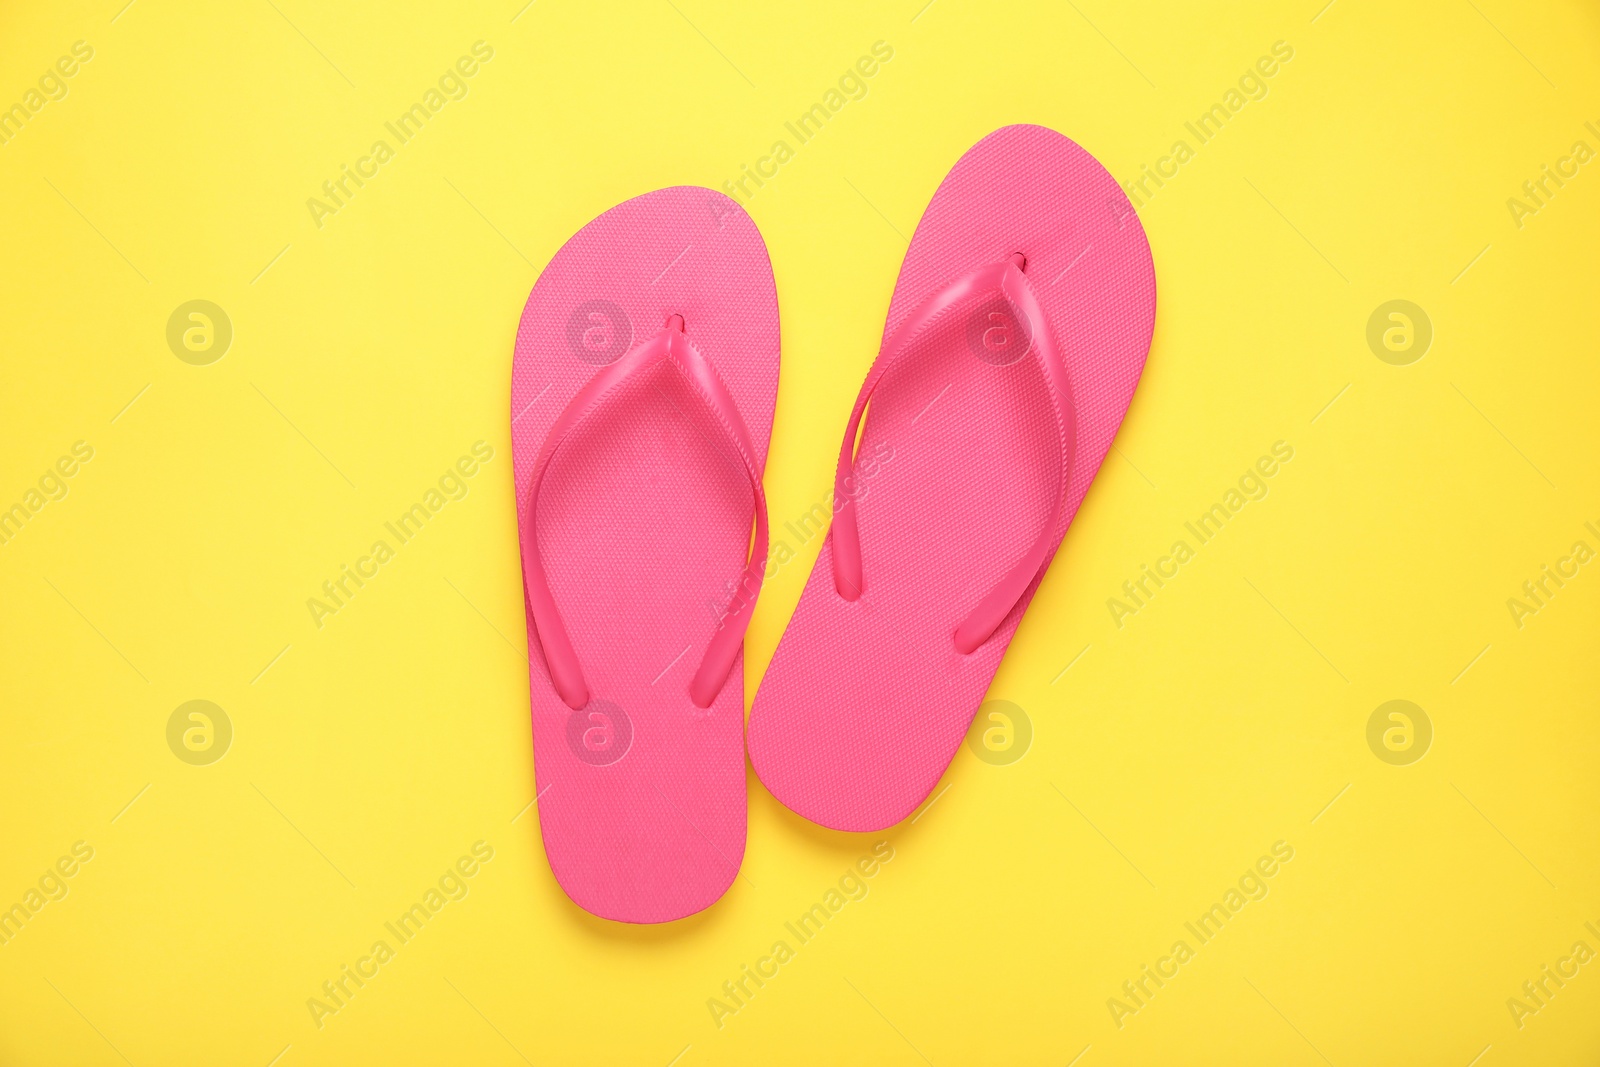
1015,337
642,394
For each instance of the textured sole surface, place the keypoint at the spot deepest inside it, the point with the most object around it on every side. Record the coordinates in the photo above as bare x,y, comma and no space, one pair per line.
865,702
643,523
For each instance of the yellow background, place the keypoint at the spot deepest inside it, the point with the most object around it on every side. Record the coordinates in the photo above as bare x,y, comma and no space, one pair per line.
1225,716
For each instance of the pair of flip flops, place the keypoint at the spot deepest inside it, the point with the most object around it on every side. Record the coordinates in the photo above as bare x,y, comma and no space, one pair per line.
642,396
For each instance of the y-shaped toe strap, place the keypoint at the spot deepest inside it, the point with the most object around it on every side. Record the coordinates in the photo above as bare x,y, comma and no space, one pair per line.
1008,277
671,346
